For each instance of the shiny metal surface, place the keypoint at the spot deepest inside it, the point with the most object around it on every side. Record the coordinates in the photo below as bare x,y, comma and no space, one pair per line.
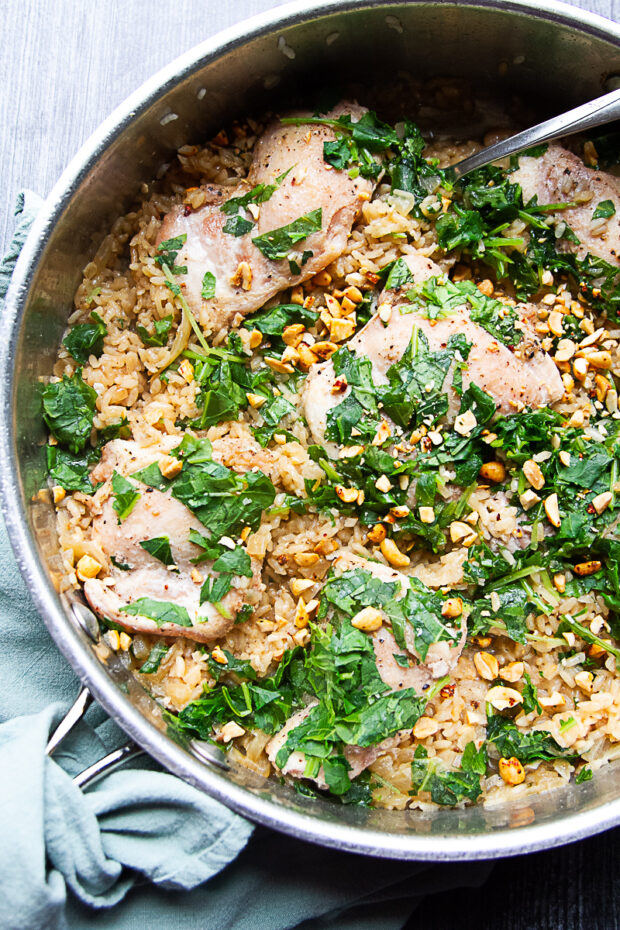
552,54
597,112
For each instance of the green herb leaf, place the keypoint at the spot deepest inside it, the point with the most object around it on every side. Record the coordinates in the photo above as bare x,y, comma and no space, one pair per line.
276,245
69,409
71,472
530,696
159,336
159,548
125,496
86,339
157,653
584,775
474,760
259,194
605,209
236,561
510,740
272,322
446,786
167,253
152,477
159,611
208,285
221,499
215,588
237,226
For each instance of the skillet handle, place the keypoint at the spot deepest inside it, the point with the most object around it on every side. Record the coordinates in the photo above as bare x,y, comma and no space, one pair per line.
75,713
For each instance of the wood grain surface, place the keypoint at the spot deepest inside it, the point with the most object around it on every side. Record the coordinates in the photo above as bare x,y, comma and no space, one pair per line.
64,65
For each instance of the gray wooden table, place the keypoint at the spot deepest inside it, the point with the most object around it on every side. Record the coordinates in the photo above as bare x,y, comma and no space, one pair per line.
64,65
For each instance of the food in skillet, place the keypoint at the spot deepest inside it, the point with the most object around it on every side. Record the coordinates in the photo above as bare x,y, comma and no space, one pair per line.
334,448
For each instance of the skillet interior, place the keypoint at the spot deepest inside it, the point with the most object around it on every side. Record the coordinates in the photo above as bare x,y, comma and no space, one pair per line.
551,57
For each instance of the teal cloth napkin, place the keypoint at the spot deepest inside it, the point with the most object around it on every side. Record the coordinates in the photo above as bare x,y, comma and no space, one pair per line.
136,849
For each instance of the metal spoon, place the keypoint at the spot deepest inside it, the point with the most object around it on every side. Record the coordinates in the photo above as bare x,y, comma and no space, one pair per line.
595,113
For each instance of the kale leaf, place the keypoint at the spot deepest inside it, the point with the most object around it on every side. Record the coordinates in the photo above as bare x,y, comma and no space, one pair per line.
157,653
159,611
448,786
126,496
526,746
159,336
86,339
276,244
69,409
159,548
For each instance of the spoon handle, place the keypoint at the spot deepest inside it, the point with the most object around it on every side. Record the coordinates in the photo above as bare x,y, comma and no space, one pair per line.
595,113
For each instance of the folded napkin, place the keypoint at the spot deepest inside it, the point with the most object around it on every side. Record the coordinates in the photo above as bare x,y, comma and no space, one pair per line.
141,839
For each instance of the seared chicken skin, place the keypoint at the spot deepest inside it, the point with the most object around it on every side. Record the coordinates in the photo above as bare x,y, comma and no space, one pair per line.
513,377
559,176
245,278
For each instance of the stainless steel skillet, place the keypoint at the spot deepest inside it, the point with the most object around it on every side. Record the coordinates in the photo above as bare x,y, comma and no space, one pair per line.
551,55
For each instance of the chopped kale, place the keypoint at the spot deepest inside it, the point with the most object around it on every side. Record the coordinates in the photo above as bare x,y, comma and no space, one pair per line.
448,786
69,409
509,740
159,336
71,471
167,253
159,548
86,339
159,611
157,653
277,244
208,285
125,496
